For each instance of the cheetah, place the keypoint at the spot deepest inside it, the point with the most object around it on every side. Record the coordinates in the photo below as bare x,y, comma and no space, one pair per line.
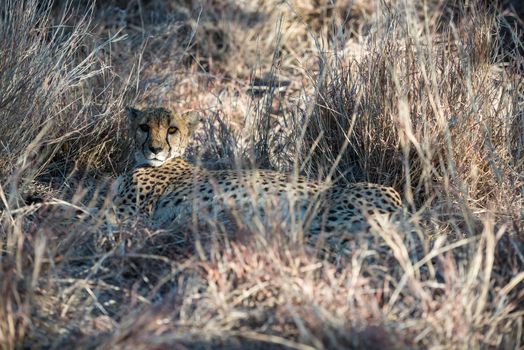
166,188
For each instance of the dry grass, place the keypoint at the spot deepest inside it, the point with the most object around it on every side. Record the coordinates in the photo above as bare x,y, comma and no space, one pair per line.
428,99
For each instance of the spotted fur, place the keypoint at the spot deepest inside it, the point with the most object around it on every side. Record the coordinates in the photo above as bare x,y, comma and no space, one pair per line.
169,189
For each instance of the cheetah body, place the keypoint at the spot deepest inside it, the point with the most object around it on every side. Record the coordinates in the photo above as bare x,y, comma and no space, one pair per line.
175,190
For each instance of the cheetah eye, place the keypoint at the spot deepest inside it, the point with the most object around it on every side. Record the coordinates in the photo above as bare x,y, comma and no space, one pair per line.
144,127
172,130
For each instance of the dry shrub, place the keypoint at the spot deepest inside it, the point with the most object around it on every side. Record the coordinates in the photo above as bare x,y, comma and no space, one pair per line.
436,117
57,89
55,114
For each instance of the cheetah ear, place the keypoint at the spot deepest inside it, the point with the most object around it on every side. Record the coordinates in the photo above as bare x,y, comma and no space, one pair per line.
132,113
193,119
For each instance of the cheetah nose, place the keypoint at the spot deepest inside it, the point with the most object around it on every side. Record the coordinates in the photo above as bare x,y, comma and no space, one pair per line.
155,150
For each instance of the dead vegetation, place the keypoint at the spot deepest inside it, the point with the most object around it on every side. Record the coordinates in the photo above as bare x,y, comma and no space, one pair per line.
428,99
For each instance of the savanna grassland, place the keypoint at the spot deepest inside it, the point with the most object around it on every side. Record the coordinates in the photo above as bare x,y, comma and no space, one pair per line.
425,96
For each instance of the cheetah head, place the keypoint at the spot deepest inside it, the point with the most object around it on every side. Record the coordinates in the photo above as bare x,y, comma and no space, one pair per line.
160,134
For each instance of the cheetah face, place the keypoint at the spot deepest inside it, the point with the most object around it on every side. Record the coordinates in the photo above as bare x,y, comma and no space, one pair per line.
160,134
